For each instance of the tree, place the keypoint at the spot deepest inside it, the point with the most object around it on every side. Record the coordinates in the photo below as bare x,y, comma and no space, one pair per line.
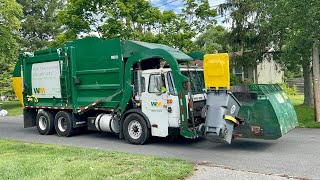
296,54
129,19
39,23
10,13
288,25
248,35
213,40
300,23
137,20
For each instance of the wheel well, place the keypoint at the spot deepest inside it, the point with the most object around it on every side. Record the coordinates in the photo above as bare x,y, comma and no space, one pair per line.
138,111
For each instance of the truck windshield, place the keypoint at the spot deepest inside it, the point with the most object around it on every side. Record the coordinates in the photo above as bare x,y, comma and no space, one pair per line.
196,81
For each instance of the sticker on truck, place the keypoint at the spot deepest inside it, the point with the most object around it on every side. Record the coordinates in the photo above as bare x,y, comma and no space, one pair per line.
279,98
45,79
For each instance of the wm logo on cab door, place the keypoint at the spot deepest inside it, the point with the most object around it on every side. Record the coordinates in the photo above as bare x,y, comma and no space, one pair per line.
157,104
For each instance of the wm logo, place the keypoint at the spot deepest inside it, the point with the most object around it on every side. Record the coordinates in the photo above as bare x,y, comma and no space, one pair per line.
156,104
39,90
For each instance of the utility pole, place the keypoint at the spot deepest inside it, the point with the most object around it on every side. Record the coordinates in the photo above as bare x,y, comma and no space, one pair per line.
316,79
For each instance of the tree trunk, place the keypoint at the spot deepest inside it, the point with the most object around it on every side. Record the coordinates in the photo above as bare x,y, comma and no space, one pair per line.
308,90
316,79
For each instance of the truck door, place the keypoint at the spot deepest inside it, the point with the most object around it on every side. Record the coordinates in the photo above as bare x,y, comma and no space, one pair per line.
154,104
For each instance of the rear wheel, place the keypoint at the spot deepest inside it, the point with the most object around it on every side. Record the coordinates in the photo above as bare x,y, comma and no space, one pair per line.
135,129
45,122
63,124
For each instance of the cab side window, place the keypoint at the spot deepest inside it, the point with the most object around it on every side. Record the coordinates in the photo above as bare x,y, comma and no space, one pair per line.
172,88
156,84
153,84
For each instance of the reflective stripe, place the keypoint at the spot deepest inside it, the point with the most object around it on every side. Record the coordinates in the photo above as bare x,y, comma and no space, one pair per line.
47,107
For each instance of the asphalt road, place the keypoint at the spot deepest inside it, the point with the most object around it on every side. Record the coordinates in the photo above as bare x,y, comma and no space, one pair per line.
296,154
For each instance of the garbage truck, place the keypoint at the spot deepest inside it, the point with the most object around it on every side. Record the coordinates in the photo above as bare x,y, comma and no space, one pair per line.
134,89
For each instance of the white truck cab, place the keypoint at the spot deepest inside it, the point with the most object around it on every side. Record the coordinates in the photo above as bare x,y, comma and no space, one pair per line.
159,99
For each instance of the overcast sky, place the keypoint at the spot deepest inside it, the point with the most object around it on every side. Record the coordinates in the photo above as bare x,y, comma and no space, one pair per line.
177,6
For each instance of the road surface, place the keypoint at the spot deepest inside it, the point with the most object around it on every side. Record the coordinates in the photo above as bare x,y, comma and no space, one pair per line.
294,155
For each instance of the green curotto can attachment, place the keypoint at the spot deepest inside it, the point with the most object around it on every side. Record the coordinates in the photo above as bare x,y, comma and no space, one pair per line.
267,111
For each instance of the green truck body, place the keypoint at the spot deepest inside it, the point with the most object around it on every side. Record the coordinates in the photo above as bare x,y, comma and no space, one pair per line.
93,74
91,70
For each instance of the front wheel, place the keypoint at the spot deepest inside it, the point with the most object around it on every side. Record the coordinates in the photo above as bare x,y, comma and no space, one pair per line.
135,129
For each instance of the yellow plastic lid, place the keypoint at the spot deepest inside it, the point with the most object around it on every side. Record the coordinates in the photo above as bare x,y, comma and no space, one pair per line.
216,71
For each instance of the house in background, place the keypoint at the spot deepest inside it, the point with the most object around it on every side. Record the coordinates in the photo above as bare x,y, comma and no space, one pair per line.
268,71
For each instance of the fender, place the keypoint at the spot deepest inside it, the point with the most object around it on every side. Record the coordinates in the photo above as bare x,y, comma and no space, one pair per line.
138,111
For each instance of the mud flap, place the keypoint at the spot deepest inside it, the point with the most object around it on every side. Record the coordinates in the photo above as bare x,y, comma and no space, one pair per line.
29,117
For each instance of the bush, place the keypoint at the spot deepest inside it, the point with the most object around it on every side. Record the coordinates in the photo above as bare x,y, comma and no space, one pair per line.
234,80
289,90
247,81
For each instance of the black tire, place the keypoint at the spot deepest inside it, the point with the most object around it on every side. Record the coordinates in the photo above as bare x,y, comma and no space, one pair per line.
63,124
45,122
139,132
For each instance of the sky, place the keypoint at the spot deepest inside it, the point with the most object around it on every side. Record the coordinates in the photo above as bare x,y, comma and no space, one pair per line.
178,4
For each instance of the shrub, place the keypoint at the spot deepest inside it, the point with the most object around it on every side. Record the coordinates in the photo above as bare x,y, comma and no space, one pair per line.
234,80
289,90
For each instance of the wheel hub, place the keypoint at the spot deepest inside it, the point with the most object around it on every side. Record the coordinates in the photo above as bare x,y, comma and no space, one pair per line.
62,124
43,123
135,129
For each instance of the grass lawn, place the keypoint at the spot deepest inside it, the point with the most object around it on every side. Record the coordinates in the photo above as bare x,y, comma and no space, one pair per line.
13,107
22,160
305,113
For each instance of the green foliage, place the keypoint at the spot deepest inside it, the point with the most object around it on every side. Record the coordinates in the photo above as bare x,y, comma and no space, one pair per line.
213,40
39,23
137,20
38,161
10,13
289,27
234,80
289,90
247,81
247,34
293,74
6,81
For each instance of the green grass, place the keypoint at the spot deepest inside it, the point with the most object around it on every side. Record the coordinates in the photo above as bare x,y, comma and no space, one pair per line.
13,107
22,160
305,114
